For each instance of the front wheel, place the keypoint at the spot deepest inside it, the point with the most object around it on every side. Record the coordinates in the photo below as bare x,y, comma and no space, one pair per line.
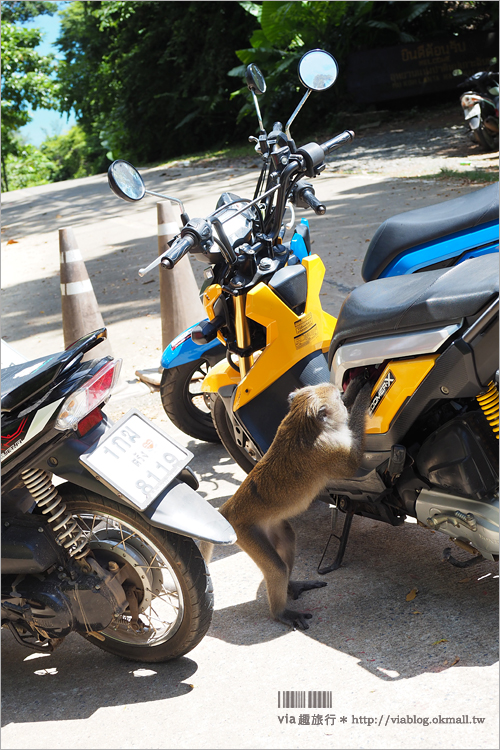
172,586
184,403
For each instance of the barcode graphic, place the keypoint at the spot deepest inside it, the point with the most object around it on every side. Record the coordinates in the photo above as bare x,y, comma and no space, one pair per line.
299,698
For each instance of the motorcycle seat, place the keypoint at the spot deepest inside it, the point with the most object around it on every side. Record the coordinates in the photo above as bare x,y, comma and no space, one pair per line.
410,303
21,383
422,225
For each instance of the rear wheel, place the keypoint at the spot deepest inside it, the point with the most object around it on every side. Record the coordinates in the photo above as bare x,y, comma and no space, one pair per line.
184,402
226,434
172,586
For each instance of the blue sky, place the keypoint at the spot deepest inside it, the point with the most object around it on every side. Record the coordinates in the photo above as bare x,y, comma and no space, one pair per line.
46,121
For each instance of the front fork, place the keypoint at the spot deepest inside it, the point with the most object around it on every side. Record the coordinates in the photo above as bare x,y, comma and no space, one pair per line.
242,329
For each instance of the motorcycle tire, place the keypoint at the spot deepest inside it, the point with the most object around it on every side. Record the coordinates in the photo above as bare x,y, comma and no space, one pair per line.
226,435
176,595
185,407
485,139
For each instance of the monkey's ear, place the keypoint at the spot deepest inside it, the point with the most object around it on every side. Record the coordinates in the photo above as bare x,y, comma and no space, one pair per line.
322,413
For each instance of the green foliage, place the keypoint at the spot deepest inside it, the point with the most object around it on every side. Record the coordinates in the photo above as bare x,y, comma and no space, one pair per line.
60,157
27,167
149,80
69,153
20,12
26,78
287,29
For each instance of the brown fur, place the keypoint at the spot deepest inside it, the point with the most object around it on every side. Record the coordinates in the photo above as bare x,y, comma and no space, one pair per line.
317,441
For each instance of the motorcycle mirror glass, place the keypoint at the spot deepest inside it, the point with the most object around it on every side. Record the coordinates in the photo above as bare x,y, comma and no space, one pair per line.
125,181
318,70
255,79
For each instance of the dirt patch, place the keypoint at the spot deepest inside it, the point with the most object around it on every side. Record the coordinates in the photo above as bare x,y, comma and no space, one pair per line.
419,142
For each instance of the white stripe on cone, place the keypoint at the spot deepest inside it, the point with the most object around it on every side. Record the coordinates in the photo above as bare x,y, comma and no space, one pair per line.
71,256
168,228
76,287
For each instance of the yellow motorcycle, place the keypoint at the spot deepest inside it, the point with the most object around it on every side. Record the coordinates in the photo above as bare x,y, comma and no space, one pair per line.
427,341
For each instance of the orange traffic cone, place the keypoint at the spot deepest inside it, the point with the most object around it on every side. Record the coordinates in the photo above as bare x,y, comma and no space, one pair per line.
80,311
180,305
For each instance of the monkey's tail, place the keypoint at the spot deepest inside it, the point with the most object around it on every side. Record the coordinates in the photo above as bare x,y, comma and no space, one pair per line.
206,549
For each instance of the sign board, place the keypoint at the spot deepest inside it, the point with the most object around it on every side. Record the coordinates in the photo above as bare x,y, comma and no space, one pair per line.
419,68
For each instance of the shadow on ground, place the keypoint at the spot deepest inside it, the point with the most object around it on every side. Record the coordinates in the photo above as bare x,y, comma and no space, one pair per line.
363,610
78,679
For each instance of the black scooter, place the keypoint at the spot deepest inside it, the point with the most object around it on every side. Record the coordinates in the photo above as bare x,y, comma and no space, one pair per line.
108,552
480,105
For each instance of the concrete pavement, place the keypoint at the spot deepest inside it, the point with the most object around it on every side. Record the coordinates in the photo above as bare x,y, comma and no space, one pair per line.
400,672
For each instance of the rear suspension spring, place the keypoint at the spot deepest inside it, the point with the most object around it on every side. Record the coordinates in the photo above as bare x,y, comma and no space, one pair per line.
489,405
43,492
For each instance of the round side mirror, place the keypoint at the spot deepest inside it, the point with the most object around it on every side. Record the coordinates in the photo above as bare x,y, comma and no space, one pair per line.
318,70
125,181
255,79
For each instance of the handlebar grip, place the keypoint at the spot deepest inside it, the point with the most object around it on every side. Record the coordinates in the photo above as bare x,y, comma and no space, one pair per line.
337,141
177,251
308,196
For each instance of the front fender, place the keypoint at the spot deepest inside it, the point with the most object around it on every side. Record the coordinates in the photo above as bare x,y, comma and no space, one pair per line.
182,350
220,375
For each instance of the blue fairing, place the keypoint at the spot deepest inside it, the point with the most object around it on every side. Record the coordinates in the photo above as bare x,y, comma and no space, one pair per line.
470,244
182,349
297,245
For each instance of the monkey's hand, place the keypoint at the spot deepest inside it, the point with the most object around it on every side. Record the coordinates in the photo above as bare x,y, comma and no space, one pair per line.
294,619
296,588
353,389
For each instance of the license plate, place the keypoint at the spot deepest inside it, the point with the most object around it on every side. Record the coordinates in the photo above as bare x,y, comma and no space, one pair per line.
136,459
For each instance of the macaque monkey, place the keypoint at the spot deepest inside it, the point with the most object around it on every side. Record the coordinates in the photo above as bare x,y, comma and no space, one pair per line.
317,441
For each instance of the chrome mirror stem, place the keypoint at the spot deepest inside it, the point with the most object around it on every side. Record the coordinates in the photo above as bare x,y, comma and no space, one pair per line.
257,109
296,112
167,198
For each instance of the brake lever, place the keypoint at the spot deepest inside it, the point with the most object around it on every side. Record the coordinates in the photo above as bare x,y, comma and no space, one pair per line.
156,262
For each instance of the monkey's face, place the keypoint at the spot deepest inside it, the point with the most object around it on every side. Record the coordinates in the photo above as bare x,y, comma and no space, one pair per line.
322,403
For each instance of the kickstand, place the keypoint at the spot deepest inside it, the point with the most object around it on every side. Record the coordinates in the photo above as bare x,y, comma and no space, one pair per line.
460,563
343,542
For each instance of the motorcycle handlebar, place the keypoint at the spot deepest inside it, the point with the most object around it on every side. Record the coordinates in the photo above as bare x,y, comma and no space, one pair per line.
178,250
308,196
337,141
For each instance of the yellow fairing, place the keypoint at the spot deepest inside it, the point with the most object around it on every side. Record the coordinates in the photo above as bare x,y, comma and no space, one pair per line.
220,374
210,297
408,375
289,337
293,337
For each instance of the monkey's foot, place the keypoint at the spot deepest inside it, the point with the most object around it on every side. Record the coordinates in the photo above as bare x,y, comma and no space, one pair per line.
296,588
294,619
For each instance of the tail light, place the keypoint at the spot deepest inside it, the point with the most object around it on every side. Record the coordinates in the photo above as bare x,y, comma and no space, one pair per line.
93,393
468,100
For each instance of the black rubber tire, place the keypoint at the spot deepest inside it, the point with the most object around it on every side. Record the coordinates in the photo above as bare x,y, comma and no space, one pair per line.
485,139
225,431
185,566
177,400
